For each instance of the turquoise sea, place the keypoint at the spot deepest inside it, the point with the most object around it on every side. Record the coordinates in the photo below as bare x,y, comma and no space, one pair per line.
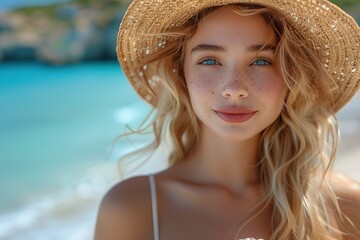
6,5
57,127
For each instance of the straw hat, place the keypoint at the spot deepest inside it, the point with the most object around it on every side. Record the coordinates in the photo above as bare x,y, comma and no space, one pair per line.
328,29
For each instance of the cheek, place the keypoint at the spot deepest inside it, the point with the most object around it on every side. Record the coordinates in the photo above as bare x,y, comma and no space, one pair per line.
271,89
199,84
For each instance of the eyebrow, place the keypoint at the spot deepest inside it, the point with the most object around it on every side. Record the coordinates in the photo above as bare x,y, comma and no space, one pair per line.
208,47
216,48
261,47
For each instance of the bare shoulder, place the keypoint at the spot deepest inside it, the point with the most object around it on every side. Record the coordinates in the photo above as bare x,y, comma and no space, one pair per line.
125,211
346,188
347,191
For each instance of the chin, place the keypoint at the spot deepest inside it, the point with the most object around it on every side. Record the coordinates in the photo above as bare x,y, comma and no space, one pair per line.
238,136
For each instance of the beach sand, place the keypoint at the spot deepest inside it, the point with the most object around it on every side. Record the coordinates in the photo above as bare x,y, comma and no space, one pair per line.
348,160
348,157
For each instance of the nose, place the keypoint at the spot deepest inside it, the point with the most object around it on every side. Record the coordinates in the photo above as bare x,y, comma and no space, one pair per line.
235,87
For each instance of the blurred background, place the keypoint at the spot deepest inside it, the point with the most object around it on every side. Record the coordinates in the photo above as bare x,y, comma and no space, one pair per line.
63,102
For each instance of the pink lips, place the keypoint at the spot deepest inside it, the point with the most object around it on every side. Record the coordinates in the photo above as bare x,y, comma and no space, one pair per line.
235,114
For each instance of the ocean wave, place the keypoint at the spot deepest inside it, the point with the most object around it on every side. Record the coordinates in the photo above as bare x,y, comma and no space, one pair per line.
131,114
66,214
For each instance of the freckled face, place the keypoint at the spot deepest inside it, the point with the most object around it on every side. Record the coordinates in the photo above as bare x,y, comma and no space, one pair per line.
235,88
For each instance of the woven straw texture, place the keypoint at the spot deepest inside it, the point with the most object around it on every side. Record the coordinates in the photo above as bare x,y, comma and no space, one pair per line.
328,29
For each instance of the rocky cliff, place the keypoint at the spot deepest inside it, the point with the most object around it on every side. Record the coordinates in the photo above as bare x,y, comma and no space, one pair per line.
63,33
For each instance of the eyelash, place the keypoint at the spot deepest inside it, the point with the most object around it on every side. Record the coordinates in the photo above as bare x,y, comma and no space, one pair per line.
265,62
215,62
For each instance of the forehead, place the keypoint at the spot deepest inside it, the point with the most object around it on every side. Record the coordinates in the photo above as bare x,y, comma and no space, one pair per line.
230,23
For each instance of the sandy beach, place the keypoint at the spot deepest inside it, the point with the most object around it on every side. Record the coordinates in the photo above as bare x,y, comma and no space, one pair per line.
348,161
348,157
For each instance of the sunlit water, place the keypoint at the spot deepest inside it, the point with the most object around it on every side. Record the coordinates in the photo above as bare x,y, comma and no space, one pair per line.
6,5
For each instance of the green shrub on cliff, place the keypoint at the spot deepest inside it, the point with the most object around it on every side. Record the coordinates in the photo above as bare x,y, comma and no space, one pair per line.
345,3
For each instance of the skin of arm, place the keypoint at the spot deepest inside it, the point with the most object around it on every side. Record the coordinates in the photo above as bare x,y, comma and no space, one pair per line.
125,212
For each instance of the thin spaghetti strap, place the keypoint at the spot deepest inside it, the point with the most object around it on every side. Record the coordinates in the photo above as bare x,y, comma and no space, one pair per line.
154,207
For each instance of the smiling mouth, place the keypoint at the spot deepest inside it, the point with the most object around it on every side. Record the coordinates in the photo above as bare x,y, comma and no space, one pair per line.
235,115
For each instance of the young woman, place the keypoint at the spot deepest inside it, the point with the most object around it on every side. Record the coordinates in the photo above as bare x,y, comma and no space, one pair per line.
245,95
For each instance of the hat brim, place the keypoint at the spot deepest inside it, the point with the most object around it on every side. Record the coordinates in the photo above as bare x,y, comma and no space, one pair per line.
328,29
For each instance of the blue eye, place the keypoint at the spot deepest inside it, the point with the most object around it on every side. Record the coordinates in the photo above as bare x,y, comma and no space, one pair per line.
261,62
209,61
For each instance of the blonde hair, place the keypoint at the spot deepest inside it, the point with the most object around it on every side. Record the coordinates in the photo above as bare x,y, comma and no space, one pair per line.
294,149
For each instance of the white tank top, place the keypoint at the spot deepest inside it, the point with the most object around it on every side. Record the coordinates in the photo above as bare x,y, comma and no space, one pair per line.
154,207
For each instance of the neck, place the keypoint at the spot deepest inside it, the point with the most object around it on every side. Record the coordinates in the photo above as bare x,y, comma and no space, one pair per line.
228,163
